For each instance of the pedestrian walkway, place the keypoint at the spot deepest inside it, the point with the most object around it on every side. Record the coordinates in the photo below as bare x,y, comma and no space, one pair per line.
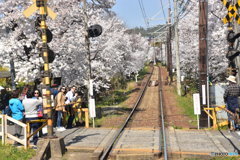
201,144
84,139
138,143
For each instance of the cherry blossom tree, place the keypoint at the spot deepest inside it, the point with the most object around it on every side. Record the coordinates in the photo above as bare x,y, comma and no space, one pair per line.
113,52
189,40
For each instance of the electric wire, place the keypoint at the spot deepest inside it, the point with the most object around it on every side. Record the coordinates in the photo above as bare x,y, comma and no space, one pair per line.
145,15
181,14
143,12
163,11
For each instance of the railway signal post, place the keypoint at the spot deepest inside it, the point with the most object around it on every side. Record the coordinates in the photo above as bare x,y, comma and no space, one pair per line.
41,5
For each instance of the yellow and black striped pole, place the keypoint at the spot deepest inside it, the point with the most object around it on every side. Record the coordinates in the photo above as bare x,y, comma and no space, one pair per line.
45,11
46,80
232,11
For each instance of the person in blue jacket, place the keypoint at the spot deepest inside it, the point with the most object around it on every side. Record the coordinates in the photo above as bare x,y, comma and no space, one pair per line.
17,111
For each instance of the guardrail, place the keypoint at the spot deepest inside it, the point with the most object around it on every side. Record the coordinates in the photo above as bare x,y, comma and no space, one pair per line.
4,133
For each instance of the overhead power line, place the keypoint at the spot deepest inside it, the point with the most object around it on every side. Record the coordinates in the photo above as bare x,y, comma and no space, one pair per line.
143,12
163,11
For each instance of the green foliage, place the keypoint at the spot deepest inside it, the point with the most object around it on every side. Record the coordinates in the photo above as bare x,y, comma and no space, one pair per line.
9,152
6,82
100,121
225,158
3,81
120,88
23,84
144,32
177,127
118,82
186,103
113,98
223,127
143,72
189,86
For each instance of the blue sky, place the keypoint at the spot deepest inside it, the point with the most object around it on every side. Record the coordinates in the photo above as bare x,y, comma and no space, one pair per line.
129,11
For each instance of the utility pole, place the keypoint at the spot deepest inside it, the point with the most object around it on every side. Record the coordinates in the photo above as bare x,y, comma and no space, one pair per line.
87,47
203,54
177,48
166,52
161,54
169,45
154,52
87,41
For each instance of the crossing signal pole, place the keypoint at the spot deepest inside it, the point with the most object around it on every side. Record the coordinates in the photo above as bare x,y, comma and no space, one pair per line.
46,91
41,5
90,32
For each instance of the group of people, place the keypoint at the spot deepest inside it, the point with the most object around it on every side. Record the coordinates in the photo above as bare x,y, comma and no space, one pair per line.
30,107
25,110
64,104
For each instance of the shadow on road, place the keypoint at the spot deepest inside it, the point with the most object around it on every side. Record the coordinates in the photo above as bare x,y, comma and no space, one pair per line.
79,138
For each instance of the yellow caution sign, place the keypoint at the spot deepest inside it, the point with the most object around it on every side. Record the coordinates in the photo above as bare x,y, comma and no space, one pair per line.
33,8
232,12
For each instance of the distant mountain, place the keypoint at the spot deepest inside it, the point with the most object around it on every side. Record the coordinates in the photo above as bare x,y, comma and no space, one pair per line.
145,32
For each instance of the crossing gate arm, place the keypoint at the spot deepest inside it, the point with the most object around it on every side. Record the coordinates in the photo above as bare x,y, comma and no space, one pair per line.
209,109
213,116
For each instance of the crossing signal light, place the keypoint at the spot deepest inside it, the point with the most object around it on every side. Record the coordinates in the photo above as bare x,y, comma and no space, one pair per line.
40,31
51,54
40,3
94,30
48,34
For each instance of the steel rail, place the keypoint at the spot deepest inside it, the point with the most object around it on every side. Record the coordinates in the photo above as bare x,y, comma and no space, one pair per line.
162,116
119,132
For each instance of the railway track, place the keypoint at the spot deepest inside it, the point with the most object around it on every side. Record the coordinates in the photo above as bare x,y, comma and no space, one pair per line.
164,140
142,136
143,132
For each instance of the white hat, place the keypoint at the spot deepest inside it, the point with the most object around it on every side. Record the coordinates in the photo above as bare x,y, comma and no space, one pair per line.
232,79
